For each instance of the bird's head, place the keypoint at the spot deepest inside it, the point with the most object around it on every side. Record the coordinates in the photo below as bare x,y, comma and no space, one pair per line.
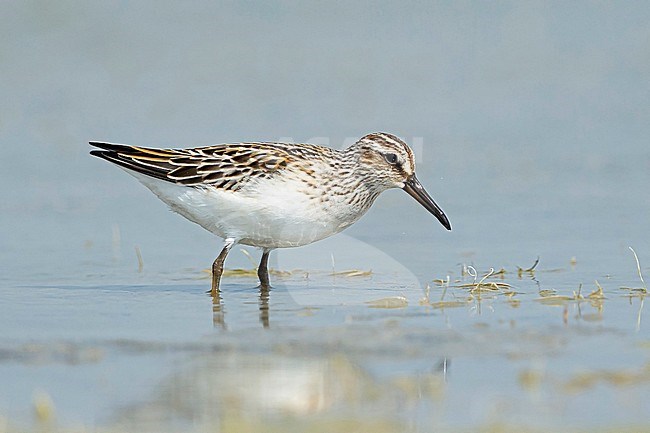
390,163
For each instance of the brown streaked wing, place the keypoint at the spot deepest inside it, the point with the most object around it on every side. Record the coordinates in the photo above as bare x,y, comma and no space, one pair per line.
228,166
224,166
151,162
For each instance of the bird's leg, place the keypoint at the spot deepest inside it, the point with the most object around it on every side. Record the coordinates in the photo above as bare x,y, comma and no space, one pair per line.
263,270
217,266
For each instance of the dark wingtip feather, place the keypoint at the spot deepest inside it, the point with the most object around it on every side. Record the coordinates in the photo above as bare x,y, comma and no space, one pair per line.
128,163
108,146
103,154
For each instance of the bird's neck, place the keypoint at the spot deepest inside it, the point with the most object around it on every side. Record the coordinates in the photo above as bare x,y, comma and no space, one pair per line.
353,177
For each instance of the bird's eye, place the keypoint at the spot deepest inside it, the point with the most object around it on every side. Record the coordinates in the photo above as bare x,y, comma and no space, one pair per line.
391,158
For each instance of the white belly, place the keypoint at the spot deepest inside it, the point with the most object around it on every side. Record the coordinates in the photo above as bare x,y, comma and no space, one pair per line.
273,215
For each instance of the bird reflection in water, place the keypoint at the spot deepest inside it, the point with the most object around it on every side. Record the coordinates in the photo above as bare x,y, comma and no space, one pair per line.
219,311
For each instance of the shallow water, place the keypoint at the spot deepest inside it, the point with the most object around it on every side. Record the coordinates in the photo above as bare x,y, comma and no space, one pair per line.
139,357
530,129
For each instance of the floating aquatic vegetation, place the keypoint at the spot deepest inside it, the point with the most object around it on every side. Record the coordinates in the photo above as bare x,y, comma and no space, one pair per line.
556,299
389,302
550,296
530,270
598,293
637,291
450,304
353,273
252,273
486,286
349,272
442,304
248,273
238,272
474,291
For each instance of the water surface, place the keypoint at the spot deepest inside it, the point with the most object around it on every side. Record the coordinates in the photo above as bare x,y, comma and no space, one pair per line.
530,125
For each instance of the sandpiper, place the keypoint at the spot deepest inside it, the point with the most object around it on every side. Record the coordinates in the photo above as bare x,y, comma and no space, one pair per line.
273,195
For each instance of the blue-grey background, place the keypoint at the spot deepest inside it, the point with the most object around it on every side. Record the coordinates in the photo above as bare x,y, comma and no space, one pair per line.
534,117
531,120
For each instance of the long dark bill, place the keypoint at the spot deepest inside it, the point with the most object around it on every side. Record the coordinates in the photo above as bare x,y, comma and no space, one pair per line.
417,191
